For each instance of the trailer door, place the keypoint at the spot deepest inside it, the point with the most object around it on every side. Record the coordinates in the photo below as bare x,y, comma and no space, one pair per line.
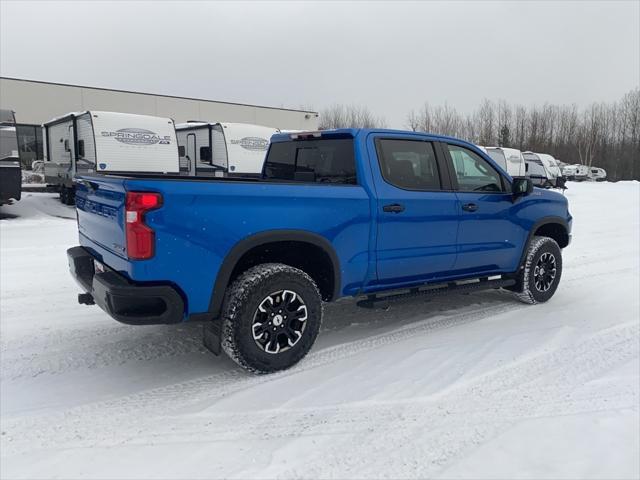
191,153
72,156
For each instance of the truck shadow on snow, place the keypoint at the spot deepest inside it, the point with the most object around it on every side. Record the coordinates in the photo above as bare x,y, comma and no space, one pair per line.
344,322
106,357
7,216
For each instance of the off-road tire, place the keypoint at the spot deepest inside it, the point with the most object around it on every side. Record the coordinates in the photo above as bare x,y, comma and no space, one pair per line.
525,288
241,302
67,195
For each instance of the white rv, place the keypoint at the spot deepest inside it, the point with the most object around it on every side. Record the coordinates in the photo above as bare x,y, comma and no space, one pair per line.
597,174
510,159
576,172
542,168
221,149
106,142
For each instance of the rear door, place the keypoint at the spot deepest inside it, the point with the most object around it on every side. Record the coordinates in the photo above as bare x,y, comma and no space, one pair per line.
416,210
488,237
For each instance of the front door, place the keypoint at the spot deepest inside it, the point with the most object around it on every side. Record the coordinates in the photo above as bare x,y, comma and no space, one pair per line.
489,239
416,211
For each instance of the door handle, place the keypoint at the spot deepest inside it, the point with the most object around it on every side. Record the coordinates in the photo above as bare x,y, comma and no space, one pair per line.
470,207
394,208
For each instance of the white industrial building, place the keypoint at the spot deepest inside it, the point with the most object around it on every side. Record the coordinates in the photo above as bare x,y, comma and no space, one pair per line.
36,102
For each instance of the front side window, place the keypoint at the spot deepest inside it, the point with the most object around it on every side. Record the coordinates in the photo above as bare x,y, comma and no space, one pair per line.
474,174
324,161
409,164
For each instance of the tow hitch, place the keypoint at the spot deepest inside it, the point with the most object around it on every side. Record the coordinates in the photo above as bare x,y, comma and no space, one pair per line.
86,299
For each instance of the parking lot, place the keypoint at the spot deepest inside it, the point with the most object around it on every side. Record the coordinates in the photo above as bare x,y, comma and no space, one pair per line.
468,385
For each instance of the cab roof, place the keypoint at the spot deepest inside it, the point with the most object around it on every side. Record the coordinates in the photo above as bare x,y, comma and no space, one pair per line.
354,132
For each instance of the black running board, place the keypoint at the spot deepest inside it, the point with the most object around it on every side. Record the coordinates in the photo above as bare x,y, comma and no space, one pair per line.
441,289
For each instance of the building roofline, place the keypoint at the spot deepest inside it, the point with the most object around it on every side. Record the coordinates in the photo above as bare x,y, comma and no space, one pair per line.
156,95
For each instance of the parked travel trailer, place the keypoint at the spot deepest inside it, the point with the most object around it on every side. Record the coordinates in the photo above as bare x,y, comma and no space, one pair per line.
510,159
536,170
552,170
221,149
106,142
10,168
597,174
575,172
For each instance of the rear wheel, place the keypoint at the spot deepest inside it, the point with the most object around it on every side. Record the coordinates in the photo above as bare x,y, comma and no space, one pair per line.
539,279
271,317
67,195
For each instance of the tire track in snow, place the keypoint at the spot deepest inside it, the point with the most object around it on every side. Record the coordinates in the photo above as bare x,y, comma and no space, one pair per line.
609,348
533,376
180,396
176,397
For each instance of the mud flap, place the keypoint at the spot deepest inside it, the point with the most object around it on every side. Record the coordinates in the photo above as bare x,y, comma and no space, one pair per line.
211,335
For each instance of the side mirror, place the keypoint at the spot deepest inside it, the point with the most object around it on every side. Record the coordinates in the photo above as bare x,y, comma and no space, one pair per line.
521,186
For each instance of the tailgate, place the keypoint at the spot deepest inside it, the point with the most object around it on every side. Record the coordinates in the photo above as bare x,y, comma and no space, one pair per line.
100,203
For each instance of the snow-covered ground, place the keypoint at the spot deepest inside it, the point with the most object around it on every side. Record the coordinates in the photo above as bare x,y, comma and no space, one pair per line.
476,386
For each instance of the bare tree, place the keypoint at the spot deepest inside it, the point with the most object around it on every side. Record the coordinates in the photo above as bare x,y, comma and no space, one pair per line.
413,122
349,116
606,135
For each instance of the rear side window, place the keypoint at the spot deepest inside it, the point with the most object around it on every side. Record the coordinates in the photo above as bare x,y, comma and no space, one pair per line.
409,164
324,161
474,173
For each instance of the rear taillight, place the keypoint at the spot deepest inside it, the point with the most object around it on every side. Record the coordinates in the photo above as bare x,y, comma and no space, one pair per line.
140,237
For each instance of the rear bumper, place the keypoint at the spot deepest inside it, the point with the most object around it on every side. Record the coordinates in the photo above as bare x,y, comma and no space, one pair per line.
126,301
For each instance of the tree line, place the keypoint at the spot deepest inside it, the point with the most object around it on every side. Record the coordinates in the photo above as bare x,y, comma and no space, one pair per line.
605,135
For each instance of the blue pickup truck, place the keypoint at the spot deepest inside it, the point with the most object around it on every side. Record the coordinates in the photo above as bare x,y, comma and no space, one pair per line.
376,214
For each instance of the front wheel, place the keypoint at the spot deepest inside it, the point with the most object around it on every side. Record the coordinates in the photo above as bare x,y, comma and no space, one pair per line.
539,279
271,317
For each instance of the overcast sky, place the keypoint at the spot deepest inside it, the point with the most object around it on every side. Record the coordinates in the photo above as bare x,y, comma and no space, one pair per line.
390,56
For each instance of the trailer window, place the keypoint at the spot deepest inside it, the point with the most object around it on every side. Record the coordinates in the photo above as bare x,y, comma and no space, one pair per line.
535,168
85,146
205,154
324,161
29,144
8,143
